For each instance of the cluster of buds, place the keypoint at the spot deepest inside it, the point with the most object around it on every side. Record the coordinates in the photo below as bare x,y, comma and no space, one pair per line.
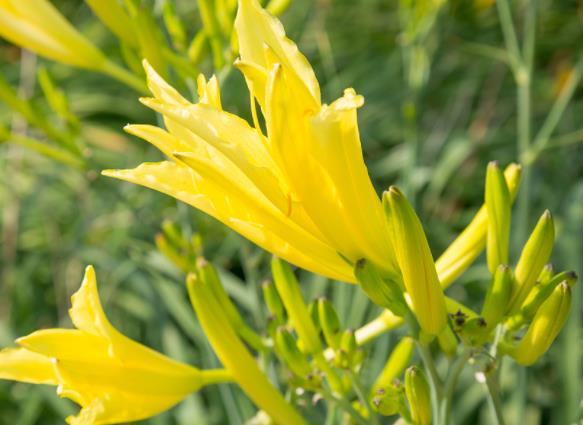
529,295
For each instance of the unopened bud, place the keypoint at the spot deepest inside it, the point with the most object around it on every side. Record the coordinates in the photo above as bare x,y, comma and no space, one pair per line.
498,205
498,296
389,400
382,291
291,296
534,256
546,325
396,364
416,262
291,355
418,396
542,291
329,322
447,342
273,301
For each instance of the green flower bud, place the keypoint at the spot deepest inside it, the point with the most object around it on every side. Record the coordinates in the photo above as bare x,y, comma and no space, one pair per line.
416,262
329,322
207,273
498,296
286,346
396,364
418,396
474,332
273,301
534,256
383,292
546,325
542,290
498,205
389,400
289,291
462,252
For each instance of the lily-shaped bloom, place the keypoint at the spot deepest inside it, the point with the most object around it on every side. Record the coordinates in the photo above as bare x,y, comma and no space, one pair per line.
112,377
301,191
38,26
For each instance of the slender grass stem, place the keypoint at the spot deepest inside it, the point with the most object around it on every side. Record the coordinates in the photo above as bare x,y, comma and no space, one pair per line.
361,394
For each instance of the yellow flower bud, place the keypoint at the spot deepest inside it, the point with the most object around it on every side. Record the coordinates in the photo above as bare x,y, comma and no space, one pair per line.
396,364
498,206
384,292
287,348
416,262
534,256
417,391
290,293
469,244
498,295
273,301
328,319
542,291
389,400
546,325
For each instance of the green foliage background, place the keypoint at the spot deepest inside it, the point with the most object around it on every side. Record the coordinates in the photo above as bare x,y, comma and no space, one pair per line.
55,219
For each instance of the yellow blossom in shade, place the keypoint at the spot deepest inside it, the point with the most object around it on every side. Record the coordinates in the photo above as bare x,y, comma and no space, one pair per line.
112,377
302,191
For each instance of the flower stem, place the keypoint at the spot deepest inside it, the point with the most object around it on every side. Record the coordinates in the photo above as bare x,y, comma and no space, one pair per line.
494,399
124,76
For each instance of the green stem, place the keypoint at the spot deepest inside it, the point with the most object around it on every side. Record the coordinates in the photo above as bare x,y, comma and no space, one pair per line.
361,394
345,405
124,76
217,376
435,382
494,399
455,370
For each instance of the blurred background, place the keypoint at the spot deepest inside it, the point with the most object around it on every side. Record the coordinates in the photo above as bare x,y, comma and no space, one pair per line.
442,100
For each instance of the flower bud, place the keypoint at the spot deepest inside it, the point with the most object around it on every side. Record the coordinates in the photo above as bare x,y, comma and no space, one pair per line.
498,206
383,292
534,256
347,351
328,319
498,296
396,364
542,290
474,332
273,301
289,290
546,325
418,396
208,274
389,400
469,244
286,346
416,262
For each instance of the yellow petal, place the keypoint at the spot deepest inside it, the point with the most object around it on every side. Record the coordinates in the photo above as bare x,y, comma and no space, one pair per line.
209,92
255,29
160,88
67,344
119,407
20,364
272,231
237,141
336,147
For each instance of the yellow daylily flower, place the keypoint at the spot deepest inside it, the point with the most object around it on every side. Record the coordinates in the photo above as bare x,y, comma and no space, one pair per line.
38,26
112,377
302,191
